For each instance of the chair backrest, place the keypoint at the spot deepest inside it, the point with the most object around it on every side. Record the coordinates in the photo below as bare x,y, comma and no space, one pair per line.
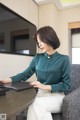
75,76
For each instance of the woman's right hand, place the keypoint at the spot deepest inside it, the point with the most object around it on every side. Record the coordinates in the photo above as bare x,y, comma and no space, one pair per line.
6,80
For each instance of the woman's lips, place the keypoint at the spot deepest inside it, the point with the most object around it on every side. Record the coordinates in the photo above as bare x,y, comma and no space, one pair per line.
42,48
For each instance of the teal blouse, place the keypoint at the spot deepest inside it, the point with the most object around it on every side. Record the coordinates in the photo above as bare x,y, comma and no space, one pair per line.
51,70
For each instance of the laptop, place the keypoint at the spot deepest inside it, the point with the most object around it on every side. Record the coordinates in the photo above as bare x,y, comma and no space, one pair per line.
18,86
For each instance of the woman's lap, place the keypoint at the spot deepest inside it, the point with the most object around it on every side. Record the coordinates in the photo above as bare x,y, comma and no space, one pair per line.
50,102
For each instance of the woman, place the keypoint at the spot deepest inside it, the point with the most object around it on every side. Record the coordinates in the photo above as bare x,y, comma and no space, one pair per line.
53,76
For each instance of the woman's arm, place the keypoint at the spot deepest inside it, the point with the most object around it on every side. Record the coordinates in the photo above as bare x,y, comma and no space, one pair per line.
26,74
64,85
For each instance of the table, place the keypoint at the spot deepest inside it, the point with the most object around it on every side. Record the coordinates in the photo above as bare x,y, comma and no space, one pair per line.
14,102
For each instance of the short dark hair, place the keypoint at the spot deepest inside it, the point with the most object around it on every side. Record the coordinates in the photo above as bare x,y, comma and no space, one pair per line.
48,36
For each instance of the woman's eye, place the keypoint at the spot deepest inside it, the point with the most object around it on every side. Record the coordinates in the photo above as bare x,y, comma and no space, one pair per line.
37,43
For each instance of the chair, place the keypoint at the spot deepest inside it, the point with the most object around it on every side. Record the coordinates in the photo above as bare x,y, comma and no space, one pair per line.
71,102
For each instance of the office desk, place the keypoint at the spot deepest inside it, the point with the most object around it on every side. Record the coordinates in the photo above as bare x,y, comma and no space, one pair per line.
14,102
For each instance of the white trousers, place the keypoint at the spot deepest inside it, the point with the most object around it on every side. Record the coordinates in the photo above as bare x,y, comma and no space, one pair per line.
44,104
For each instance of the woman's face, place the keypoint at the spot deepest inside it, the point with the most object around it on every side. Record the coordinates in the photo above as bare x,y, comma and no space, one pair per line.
43,46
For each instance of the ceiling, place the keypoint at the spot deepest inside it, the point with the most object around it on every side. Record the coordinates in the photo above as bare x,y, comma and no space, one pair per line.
61,4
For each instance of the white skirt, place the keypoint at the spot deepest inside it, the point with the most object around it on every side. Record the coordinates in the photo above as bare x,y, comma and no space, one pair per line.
44,104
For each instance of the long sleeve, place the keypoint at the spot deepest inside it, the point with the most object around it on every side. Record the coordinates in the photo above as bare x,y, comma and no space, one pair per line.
26,74
64,84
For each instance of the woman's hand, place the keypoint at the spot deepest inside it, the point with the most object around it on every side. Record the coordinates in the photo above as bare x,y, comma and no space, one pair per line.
6,80
37,84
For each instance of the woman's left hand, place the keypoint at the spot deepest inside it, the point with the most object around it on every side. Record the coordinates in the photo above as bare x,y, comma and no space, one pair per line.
39,85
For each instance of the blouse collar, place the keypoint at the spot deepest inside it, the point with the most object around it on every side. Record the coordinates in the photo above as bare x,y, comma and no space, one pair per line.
51,56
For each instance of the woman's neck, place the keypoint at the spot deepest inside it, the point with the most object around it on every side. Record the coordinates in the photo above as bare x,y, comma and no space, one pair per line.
50,52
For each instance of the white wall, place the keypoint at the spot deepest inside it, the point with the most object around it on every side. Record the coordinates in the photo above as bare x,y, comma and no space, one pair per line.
48,15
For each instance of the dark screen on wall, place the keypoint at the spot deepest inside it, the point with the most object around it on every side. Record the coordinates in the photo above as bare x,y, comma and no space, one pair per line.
16,33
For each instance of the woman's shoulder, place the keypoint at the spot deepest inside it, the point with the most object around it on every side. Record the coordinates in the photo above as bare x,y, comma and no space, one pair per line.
64,56
39,54
37,57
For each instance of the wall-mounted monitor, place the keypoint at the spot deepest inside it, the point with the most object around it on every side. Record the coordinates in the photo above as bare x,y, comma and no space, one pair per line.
16,33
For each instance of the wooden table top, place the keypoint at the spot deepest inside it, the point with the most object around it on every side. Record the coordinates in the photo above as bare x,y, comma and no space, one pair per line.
14,102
